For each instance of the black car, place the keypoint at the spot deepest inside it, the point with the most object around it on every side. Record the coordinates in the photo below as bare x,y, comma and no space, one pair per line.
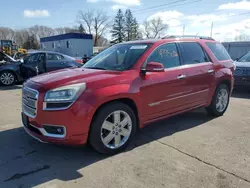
242,72
12,71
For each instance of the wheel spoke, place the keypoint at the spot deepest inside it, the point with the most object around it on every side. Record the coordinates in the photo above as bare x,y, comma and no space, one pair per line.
124,122
107,125
117,117
108,138
125,132
117,140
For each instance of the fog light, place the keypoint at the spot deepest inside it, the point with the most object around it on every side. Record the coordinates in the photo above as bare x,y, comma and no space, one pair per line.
54,129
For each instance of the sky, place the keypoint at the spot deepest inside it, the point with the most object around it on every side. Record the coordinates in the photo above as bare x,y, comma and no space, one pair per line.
229,18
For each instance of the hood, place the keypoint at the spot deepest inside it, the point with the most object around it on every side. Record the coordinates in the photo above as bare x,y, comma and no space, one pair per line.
10,63
73,76
242,64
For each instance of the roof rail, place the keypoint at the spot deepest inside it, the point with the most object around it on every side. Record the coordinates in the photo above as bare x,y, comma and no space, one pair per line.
187,36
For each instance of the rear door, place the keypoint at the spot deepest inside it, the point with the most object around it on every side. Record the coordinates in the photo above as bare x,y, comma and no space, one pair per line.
200,72
55,62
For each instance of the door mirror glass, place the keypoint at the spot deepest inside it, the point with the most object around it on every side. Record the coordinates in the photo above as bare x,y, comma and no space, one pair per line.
154,67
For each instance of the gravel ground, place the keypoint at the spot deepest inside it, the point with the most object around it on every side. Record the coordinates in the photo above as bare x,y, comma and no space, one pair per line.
189,150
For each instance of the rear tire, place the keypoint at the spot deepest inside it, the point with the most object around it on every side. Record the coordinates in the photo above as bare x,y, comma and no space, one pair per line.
7,78
220,101
112,128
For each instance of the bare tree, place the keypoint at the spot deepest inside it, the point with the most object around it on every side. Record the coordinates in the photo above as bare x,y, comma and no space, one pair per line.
154,28
95,22
6,33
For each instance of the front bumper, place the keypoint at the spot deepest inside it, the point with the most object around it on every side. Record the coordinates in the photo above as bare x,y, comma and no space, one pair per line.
242,82
41,135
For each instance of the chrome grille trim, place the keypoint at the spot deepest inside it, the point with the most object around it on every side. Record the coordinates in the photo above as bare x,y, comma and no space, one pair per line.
29,101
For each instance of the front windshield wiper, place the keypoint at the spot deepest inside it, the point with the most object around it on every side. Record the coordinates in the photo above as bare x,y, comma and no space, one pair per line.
99,68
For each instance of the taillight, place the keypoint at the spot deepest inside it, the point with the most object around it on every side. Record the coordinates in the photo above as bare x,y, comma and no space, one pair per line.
79,61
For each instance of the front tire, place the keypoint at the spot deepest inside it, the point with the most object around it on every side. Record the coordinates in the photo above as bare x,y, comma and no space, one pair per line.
112,128
7,78
220,101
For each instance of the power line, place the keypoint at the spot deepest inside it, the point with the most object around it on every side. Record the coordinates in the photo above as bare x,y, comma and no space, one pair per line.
191,2
244,13
165,4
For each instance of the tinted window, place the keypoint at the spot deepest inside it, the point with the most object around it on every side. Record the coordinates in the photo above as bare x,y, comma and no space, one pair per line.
219,51
54,57
245,58
192,53
32,58
167,55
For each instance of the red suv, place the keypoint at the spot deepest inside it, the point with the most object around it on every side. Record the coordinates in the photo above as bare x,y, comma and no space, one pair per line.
126,87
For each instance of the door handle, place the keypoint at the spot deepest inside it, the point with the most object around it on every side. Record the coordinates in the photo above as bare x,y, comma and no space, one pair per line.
181,76
210,71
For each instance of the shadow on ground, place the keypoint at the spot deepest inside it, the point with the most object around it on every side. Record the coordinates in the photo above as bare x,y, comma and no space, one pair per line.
14,87
241,93
27,163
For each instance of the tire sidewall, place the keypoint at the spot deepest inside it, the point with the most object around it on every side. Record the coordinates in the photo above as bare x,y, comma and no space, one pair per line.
10,73
95,131
215,111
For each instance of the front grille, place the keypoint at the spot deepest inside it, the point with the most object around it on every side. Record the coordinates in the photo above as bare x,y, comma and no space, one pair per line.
29,101
242,71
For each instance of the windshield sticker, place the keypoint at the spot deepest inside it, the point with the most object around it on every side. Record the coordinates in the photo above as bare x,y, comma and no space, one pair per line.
138,47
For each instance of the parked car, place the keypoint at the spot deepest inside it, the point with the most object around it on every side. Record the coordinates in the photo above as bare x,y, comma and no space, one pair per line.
126,87
12,71
242,72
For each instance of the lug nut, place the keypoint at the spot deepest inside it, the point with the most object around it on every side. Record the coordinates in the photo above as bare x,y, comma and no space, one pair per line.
120,130
113,132
116,133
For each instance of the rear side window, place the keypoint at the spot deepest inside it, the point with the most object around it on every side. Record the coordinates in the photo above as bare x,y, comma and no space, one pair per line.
192,53
54,57
219,51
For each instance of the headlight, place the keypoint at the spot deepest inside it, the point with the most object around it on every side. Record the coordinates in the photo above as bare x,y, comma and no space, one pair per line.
65,94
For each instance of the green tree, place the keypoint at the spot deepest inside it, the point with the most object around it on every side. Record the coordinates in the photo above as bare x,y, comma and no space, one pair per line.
129,23
118,31
81,29
135,33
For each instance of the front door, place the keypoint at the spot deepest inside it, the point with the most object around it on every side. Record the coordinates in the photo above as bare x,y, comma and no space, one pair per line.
30,66
164,92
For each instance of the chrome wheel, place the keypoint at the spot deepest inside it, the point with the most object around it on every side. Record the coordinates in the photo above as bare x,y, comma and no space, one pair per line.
222,100
116,129
7,78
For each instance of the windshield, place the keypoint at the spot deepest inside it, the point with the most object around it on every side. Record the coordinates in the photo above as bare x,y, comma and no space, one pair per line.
245,58
118,57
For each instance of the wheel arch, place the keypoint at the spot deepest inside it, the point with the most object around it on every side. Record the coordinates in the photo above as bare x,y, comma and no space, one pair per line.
125,100
12,71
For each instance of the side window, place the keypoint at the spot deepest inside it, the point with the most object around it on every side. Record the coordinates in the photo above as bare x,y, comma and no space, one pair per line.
54,57
32,59
167,55
219,51
192,53
68,44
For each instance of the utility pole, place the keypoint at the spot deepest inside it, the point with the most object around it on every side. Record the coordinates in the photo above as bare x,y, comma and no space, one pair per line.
212,25
183,31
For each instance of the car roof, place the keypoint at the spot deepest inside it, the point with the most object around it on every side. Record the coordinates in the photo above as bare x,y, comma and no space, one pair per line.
40,51
153,41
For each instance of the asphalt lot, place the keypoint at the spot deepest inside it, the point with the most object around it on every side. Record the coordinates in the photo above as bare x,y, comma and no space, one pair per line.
191,150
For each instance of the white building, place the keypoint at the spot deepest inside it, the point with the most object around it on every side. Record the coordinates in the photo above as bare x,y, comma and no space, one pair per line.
72,44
